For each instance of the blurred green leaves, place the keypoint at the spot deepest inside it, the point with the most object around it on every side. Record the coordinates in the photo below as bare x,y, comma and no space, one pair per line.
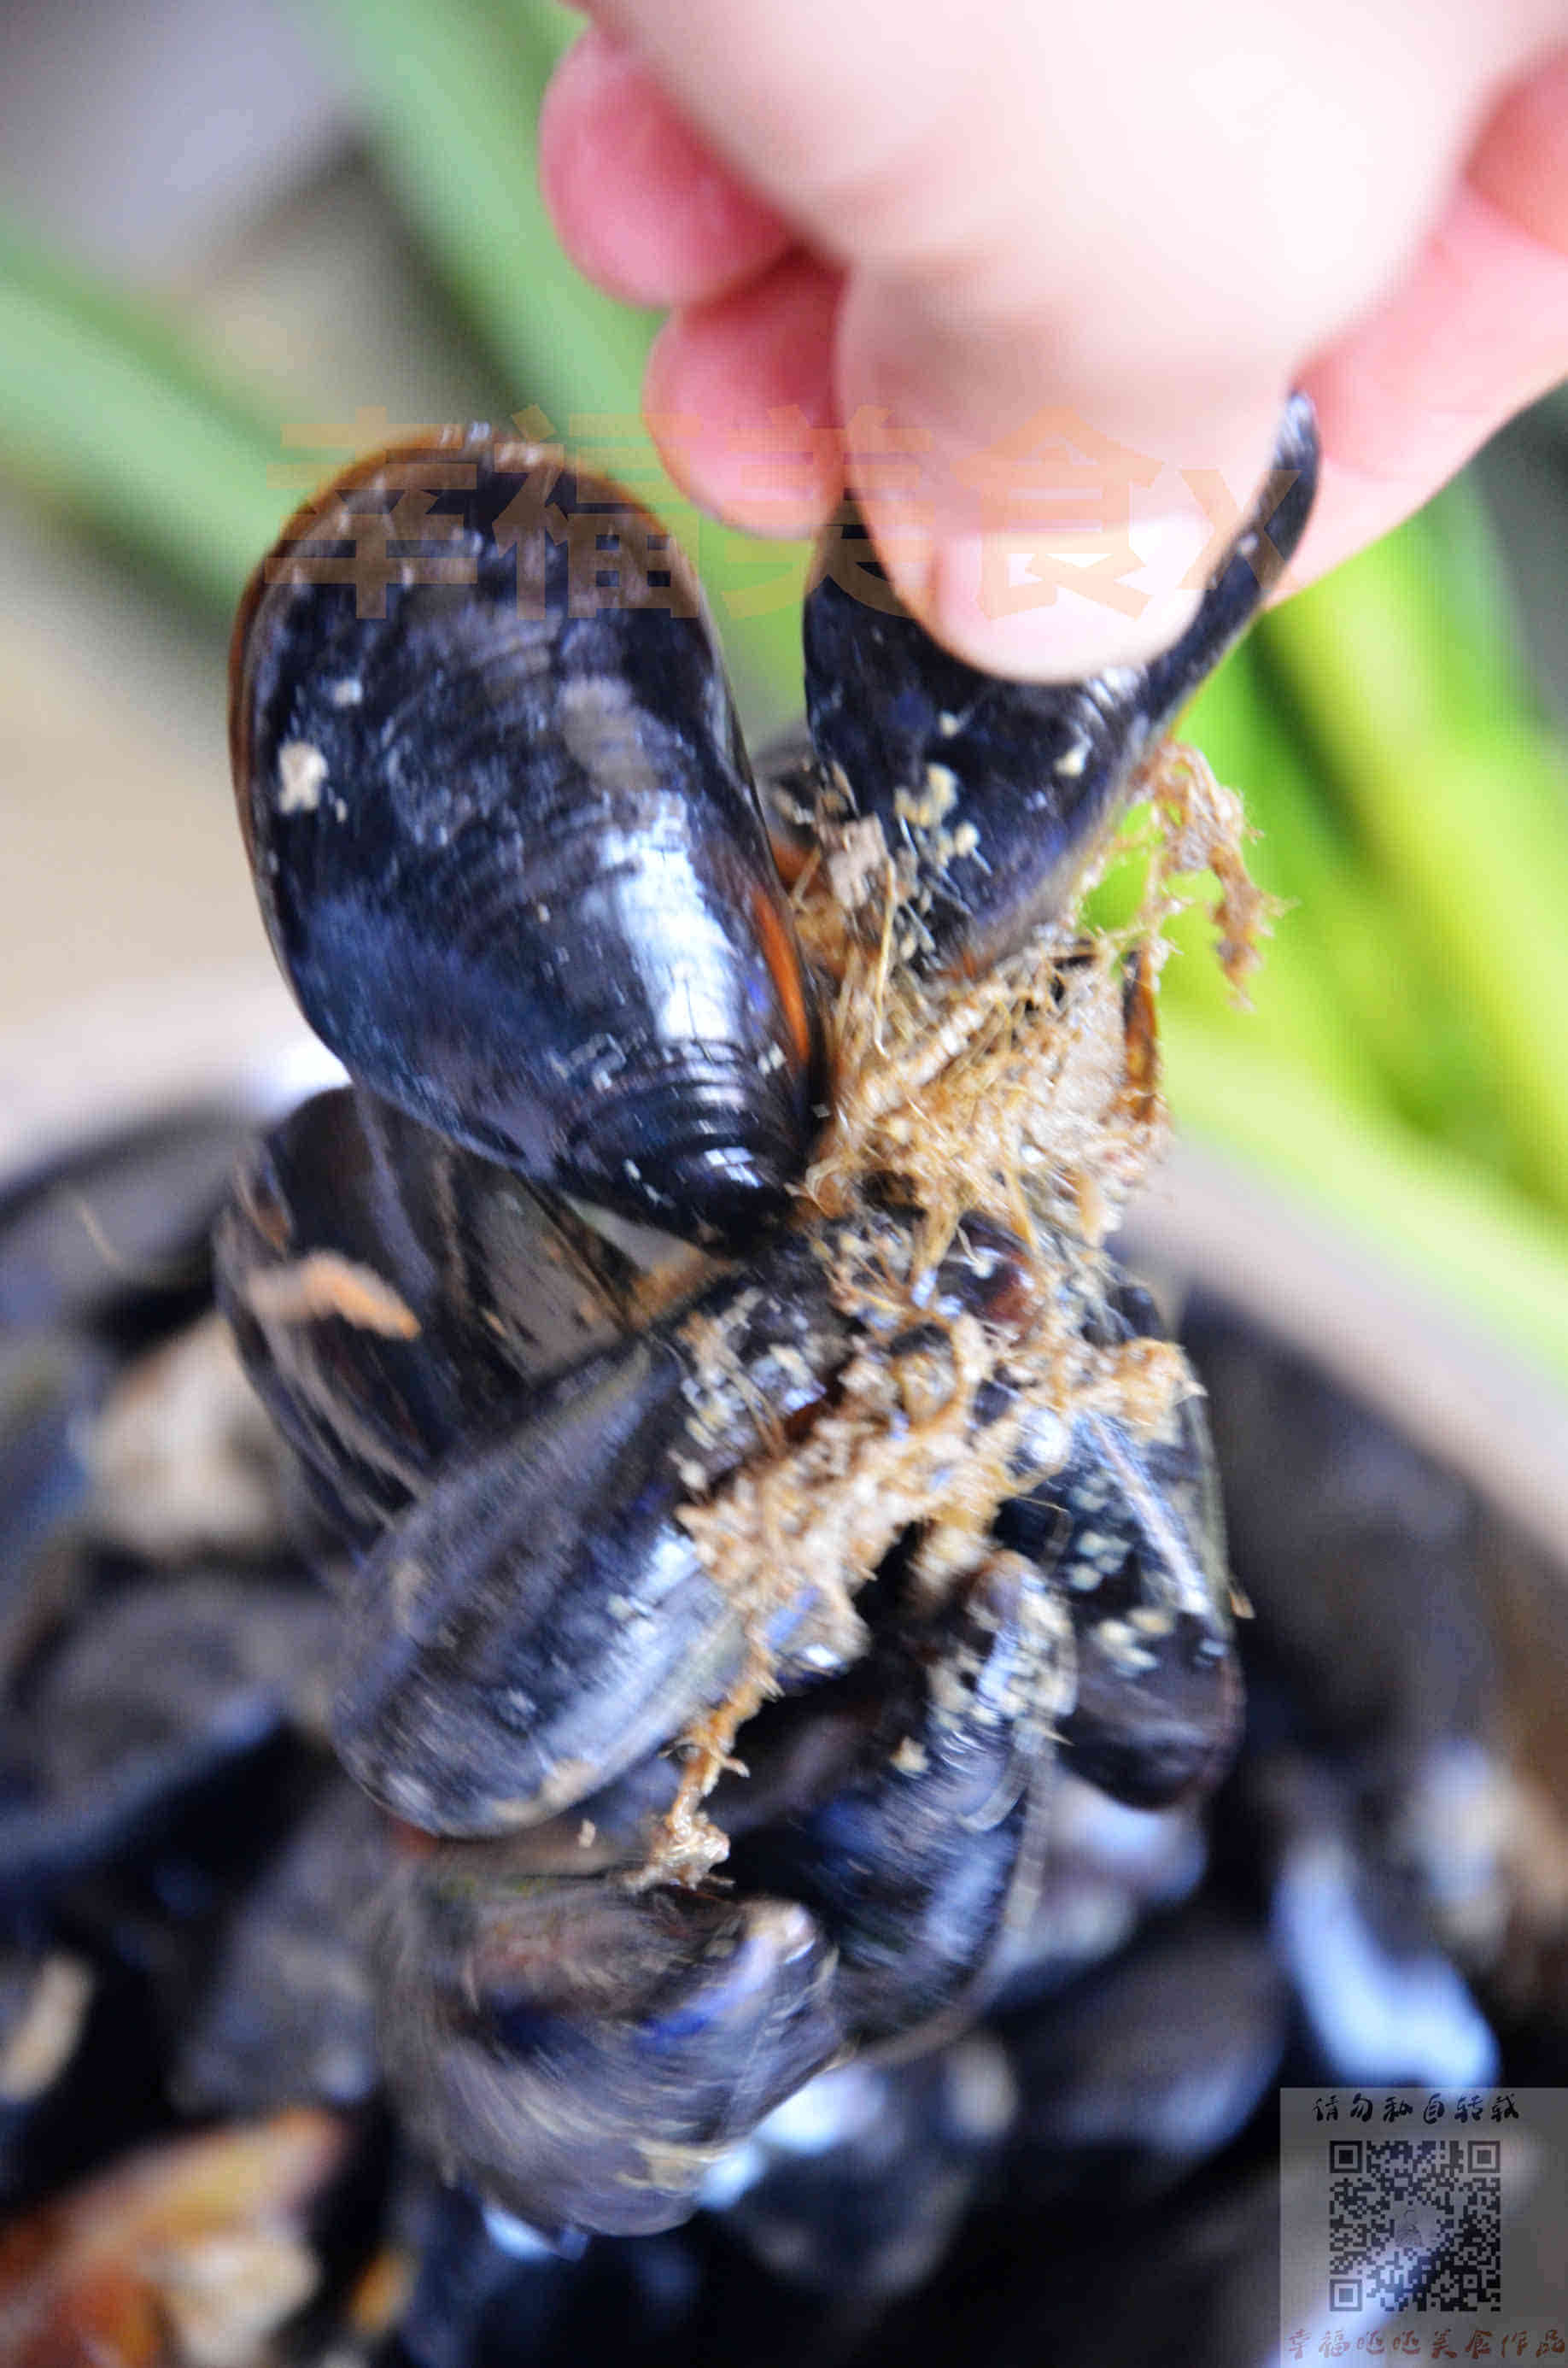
1404,1065
453,93
108,410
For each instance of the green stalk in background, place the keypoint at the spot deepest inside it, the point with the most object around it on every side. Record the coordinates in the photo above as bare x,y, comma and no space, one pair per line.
1295,999
1484,1247
1395,1036
1458,797
453,90
108,410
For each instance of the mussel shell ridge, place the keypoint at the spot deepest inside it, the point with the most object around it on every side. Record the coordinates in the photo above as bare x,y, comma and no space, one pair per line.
506,839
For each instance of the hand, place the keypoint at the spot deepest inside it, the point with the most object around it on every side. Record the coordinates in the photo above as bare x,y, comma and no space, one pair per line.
1149,222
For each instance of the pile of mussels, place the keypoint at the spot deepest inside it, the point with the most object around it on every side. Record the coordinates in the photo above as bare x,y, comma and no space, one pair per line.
666,1795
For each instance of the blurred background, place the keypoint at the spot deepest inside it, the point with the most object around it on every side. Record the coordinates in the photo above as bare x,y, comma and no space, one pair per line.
238,243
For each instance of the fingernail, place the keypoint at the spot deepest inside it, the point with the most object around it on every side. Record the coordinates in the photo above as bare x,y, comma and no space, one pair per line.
1056,606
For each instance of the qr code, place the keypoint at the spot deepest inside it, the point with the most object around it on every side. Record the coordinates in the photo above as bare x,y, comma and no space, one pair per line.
1414,2221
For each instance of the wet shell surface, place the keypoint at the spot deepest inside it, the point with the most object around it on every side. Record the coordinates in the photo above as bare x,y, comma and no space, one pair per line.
505,839
819,1553
998,794
201,1914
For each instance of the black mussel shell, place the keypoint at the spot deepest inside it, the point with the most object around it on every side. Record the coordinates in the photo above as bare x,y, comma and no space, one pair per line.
149,1705
1373,1789
1131,1529
537,1623
394,1297
1005,790
1105,1866
912,1865
582,2053
1151,2063
540,1622
615,1830
286,2016
490,2293
505,837
1352,1924
1354,1532
853,2187
51,1388
114,1235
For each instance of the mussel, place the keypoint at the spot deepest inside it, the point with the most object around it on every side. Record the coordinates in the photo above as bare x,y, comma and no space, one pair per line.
148,1709
395,1296
1131,1529
1002,792
542,1620
587,2053
287,2015
505,837
914,1458
911,1861
545,1615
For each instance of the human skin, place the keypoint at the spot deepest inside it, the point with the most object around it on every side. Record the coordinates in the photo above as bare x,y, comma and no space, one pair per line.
1146,222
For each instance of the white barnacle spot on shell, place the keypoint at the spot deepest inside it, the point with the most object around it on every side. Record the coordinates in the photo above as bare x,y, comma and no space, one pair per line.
857,861
405,1587
45,2034
302,769
1044,1441
599,724
348,692
1073,761
514,2237
928,807
1118,1642
324,1283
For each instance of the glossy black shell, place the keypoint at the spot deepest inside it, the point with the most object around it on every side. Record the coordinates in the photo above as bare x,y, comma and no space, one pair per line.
588,2053
505,837
480,1293
512,858
1020,781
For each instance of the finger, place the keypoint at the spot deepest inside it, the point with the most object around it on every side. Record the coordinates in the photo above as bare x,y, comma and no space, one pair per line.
1067,230
640,202
739,397
1478,329
1051,549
